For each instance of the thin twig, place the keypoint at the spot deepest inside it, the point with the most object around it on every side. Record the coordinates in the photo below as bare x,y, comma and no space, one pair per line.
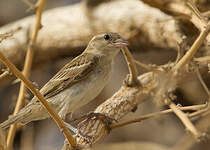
155,114
194,48
145,66
204,59
131,66
196,45
196,11
26,69
30,86
199,112
185,120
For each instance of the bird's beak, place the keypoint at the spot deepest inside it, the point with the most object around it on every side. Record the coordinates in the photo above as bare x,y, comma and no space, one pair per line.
121,42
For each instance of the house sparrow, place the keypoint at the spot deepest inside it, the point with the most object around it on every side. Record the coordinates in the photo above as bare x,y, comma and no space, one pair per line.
77,83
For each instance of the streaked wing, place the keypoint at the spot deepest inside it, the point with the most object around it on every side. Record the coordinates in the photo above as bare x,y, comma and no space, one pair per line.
78,69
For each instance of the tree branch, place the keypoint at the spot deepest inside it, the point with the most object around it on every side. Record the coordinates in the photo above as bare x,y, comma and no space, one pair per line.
185,120
51,112
155,114
26,70
194,48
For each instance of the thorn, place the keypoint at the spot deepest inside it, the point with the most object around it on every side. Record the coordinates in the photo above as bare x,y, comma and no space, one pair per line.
40,26
134,108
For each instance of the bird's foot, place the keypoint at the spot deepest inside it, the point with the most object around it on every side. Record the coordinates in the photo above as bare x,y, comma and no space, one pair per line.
105,119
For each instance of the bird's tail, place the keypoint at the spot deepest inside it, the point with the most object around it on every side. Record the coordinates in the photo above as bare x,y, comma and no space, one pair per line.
19,117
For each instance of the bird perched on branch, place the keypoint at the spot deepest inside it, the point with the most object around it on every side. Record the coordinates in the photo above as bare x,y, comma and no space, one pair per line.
77,83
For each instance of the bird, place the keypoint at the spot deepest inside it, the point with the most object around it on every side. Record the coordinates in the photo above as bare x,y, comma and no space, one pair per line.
77,83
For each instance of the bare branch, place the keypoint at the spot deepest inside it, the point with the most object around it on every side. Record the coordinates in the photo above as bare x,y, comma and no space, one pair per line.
185,120
155,114
186,142
26,70
51,112
194,48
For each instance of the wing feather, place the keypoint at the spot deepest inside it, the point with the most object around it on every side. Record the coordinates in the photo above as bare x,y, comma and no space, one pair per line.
78,69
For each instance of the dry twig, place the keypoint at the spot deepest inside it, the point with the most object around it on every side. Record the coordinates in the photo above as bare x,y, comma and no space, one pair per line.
194,48
183,61
185,120
26,69
155,114
30,85
186,142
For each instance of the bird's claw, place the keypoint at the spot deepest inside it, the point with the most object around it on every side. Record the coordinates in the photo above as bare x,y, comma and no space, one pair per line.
105,119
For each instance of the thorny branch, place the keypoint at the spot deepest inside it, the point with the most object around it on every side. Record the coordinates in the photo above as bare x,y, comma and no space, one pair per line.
194,48
27,69
155,114
186,142
51,112
185,120
180,66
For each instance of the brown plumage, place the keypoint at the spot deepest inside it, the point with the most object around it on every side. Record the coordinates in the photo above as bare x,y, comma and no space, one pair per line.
77,83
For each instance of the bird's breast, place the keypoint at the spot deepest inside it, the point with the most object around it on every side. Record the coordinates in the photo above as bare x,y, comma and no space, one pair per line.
86,90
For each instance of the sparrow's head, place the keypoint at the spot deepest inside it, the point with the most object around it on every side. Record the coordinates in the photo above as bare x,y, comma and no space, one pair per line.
107,44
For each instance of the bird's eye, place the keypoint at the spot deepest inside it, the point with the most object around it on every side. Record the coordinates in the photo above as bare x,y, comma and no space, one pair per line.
106,37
